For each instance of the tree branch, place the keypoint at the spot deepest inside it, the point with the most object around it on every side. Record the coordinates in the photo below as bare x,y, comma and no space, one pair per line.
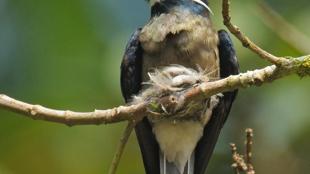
72,118
246,42
300,66
135,112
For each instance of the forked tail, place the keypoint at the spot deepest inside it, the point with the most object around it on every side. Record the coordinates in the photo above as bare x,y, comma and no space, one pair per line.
167,167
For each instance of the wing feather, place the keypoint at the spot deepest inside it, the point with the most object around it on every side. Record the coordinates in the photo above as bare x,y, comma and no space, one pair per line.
131,79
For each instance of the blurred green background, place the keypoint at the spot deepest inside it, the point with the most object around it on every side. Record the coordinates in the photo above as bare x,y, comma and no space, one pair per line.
66,54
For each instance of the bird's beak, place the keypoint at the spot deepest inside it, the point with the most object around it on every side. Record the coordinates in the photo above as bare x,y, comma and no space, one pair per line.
203,4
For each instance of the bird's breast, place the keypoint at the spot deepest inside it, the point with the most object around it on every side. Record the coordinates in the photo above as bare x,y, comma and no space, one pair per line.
180,38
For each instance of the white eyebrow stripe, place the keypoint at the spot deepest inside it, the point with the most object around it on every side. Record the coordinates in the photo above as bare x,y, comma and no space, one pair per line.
205,5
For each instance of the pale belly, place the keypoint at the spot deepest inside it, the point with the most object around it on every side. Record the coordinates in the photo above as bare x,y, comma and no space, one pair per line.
178,141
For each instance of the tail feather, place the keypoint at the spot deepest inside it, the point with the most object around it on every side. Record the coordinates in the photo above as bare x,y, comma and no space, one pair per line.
167,167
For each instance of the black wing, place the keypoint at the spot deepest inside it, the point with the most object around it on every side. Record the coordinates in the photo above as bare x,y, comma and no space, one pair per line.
131,79
228,66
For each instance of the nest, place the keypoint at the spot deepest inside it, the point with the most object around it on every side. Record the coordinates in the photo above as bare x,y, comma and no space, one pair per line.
170,83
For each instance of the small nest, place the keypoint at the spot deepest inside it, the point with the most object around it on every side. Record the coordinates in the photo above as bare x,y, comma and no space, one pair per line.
171,82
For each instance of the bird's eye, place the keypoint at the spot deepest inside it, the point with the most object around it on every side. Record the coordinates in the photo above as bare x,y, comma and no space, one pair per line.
204,5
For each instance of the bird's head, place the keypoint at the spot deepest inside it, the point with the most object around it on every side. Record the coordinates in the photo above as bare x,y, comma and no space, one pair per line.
164,6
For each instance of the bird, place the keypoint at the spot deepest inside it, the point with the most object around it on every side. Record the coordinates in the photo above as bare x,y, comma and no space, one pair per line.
179,32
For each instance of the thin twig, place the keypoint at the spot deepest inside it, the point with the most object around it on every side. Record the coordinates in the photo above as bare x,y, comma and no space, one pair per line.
286,31
245,40
249,142
248,153
121,146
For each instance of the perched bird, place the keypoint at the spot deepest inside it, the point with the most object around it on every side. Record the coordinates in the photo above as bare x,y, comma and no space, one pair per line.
179,32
